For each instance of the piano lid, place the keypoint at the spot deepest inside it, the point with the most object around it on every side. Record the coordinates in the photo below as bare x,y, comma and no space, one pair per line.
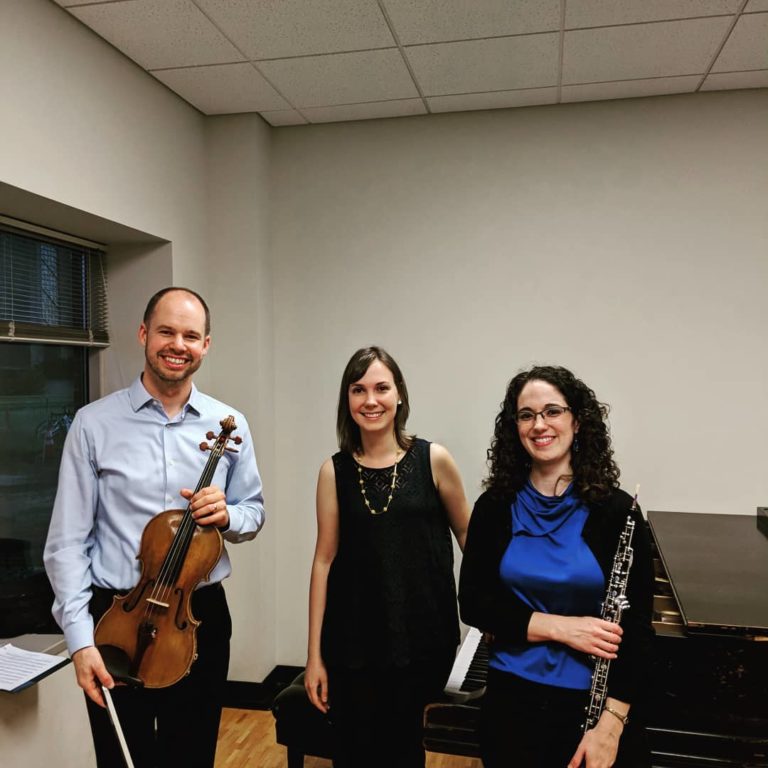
718,568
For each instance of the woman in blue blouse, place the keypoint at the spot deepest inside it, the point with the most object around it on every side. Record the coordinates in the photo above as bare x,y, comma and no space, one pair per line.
537,560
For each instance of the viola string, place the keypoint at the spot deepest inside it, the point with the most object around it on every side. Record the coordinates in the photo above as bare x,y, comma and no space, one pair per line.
172,565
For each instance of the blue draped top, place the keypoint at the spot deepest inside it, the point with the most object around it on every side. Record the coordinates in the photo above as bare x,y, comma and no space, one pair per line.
550,568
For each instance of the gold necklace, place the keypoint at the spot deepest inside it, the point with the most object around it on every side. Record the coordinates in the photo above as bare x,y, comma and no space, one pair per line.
391,487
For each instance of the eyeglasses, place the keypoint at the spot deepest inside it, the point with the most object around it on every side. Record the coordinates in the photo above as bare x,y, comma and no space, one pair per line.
550,413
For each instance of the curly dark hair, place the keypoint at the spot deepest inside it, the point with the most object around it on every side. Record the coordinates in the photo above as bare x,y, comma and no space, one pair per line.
594,471
347,432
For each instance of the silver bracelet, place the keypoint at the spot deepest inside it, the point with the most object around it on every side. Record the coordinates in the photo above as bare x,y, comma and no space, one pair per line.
624,718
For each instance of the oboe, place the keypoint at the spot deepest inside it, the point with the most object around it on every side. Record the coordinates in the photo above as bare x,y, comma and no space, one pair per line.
614,605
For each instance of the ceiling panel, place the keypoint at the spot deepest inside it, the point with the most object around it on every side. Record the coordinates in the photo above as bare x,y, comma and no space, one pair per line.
657,86
734,80
747,46
283,117
499,64
431,21
495,100
223,88
300,61
642,50
159,33
282,28
597,13
68,3
342,78
396,108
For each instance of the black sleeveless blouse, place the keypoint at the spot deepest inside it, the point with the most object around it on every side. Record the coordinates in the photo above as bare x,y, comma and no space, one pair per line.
391,597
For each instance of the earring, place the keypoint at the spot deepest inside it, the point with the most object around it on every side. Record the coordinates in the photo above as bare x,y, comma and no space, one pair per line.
575,445
399,402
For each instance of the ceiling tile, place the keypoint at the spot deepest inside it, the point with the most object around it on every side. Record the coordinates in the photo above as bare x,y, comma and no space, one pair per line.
431,21
642,50
67,3
747,46
756,5
159,33
282,28
500,64
596,13
341,78
223,88
629,89
372,111
496,100
728,80
283,117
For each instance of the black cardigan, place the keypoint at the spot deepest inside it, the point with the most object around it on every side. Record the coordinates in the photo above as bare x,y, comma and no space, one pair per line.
486,603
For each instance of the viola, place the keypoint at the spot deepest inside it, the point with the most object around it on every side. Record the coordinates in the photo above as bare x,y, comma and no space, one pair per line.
148,638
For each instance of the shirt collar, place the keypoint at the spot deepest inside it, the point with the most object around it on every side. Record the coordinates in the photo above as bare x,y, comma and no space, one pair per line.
139,397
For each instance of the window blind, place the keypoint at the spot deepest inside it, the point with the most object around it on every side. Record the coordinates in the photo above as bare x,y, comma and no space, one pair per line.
51,291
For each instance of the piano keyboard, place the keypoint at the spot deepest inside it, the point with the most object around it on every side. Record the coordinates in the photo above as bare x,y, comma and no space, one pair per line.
470,669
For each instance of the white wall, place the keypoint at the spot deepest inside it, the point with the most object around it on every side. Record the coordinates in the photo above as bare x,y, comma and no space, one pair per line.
240,362
626,240
111,148
46,725
86,127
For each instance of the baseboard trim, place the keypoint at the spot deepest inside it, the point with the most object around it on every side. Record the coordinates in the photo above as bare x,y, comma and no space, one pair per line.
239,694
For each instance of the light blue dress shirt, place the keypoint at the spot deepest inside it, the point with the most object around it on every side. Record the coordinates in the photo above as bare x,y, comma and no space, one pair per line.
124,461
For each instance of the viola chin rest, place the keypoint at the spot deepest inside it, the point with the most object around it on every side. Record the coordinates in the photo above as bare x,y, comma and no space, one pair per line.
118,664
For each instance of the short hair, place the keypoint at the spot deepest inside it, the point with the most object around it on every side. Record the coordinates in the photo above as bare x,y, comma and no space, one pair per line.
594,471
347,432
152,303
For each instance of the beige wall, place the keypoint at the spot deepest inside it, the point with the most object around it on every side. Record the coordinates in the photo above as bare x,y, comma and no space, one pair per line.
240,363
626,240
86,127
109,149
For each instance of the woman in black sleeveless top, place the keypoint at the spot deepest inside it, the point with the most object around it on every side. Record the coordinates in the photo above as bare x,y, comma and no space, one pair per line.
383,625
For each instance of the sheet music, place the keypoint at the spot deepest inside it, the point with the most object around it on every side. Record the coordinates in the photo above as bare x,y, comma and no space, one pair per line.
20,668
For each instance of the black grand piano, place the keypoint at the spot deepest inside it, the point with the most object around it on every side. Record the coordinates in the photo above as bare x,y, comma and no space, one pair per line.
709,698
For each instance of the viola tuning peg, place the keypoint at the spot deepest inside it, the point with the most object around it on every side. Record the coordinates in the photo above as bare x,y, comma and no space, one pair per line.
210,435
204,446
236,440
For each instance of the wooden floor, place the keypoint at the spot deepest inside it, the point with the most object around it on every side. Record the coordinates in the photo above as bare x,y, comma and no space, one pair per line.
247,740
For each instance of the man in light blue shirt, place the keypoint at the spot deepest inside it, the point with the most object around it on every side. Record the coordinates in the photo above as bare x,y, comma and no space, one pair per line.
128,456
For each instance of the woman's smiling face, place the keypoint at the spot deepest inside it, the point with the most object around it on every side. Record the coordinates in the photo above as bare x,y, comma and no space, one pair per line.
373,399
547,441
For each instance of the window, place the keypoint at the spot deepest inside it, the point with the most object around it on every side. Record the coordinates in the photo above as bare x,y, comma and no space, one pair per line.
52,313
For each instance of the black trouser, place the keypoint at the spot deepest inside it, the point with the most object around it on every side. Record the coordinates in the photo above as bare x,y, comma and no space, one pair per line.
178,725
529,725
377,714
